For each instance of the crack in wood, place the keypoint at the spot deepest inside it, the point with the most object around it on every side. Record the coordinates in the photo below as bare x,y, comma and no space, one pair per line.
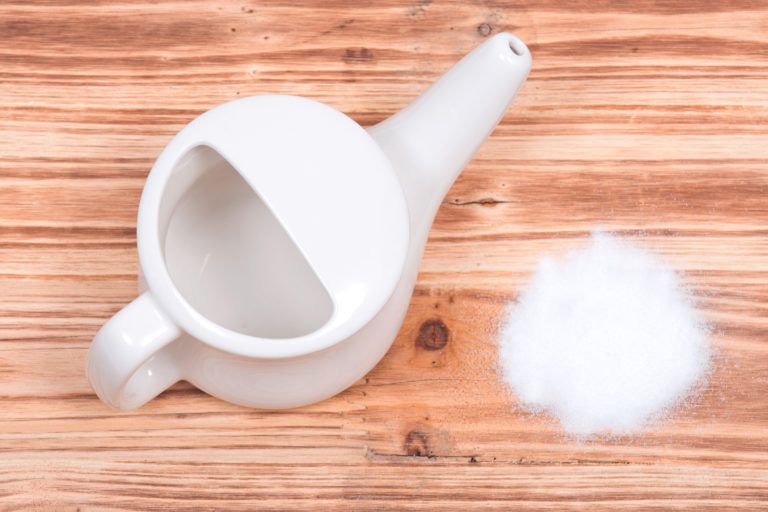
375,456
488,202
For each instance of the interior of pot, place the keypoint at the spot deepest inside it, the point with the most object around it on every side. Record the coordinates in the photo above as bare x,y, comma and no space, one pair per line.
230,257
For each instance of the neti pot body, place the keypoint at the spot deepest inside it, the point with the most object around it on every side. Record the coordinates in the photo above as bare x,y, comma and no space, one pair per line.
160,339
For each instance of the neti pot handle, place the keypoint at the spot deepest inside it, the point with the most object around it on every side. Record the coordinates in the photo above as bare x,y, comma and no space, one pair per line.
126,364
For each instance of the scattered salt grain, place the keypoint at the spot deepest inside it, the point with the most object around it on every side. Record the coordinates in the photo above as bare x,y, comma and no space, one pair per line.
605,339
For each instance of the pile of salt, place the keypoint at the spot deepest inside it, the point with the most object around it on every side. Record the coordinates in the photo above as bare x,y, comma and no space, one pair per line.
604,339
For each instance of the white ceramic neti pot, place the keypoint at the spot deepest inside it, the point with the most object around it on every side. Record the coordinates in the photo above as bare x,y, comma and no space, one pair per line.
279,241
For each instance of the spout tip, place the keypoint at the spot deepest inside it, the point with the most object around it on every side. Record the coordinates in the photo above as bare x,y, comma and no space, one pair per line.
513,51
516,45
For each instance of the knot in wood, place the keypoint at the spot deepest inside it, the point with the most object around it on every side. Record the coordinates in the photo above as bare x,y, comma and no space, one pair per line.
433,335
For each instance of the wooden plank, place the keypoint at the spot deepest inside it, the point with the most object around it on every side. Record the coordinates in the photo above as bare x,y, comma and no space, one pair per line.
648,118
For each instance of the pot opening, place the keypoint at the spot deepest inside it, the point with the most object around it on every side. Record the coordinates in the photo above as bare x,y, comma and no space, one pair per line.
230,257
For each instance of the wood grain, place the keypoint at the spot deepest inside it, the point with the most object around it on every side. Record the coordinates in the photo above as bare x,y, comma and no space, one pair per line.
646,117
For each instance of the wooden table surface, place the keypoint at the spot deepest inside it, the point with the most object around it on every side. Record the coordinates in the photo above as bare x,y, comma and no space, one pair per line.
645,117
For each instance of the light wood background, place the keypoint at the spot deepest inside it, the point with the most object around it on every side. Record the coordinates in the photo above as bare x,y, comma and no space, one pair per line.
645,117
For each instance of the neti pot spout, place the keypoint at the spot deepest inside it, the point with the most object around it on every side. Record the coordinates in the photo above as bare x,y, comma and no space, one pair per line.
431,140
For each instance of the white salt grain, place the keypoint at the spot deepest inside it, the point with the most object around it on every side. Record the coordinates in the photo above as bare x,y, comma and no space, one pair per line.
604,339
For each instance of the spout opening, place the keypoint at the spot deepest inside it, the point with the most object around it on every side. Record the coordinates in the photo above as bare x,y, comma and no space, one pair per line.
515,50
516,46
